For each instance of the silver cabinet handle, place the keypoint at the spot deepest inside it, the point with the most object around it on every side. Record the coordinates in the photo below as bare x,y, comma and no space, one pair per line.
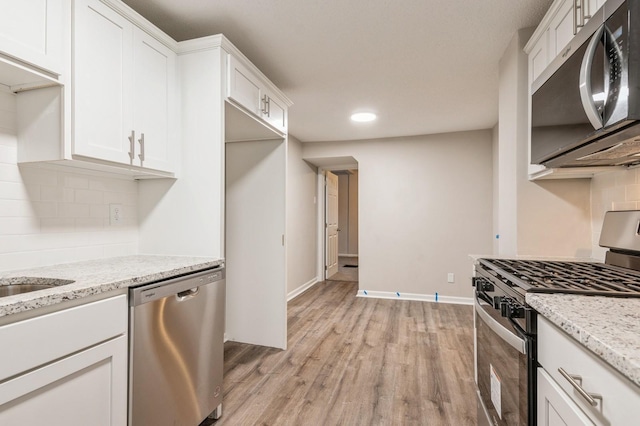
264,104
584,12
580,23
141,141
132,145
576,382
268,107
575,17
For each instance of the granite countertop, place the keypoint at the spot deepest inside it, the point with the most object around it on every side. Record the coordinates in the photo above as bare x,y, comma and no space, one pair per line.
607,326
95,277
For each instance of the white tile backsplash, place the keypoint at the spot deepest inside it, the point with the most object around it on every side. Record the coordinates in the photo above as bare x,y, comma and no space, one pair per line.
52,216
619,190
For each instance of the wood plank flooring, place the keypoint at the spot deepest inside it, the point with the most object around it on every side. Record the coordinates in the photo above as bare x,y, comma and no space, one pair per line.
356,361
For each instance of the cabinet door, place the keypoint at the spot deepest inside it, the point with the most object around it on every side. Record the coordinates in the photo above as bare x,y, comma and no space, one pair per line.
32,32
88,388
554,408
274,113
102,52
154,68
244,89
538,57
561,28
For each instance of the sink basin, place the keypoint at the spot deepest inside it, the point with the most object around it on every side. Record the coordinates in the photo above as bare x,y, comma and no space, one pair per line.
11,289
13,286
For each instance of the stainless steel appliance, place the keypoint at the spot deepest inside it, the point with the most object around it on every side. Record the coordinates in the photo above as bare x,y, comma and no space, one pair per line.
505,326
176,330
585,107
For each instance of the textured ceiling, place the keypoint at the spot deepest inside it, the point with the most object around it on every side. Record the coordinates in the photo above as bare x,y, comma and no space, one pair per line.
424,66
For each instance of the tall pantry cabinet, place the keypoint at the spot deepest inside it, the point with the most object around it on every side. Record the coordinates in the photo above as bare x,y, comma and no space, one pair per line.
229,201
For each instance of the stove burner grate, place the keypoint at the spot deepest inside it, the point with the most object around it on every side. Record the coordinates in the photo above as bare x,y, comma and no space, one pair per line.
567,277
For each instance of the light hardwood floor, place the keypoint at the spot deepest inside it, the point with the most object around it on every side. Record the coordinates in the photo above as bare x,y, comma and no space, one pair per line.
356,361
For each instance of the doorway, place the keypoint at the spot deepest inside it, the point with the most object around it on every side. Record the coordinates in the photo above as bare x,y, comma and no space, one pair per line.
346,224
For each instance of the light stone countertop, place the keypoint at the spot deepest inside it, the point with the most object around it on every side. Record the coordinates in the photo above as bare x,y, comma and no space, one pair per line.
94,277
607,326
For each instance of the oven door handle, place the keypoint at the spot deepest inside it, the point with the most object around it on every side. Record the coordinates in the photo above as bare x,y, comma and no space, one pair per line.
505,334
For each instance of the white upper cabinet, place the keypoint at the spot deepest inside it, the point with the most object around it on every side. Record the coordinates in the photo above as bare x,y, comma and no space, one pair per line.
31,31
102,82
538,57
154,81
561,28
118,112
252,93
124,81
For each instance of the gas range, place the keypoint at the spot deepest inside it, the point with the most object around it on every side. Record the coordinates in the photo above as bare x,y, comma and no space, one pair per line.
506,327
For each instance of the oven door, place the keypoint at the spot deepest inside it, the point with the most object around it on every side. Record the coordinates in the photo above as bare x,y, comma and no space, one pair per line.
501,368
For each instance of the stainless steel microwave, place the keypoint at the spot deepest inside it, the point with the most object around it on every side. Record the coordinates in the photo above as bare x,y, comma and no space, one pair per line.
585,107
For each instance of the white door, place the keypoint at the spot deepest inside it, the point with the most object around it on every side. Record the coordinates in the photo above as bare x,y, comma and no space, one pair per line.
331,217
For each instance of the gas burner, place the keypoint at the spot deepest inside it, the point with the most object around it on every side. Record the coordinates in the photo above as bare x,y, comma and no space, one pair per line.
567,277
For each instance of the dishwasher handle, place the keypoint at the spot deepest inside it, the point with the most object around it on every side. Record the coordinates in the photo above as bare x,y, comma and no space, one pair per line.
187,294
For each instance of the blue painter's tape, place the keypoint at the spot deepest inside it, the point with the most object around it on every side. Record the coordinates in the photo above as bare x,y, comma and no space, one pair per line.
436,297
398,294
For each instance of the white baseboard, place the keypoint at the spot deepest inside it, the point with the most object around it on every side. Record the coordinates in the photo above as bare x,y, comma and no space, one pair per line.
413,296
347,255
304,287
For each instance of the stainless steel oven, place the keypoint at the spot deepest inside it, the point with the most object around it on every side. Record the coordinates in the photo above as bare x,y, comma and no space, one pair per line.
505,354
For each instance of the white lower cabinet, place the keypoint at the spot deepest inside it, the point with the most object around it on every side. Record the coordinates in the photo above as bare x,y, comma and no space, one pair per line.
554,407
564,398
67,368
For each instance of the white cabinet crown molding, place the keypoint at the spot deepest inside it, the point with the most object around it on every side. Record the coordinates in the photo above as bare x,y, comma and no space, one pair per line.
142,23
219,40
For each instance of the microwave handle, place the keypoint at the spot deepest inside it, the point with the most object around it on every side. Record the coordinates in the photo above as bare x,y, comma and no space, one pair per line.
586,94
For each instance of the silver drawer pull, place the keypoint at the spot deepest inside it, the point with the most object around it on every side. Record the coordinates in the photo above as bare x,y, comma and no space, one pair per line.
576,382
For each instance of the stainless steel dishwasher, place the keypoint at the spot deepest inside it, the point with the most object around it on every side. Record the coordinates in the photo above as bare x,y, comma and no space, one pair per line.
176,332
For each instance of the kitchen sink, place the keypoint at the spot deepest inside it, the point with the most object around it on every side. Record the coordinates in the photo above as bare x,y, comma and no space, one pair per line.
13,286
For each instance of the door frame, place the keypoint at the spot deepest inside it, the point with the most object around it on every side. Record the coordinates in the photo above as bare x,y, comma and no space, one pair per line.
320,197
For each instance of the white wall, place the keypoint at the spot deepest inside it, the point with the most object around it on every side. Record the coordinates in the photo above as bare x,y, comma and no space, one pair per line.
425,204
55,216
301,219
543,218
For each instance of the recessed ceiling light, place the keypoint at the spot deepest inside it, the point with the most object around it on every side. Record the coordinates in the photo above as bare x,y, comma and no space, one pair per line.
363,117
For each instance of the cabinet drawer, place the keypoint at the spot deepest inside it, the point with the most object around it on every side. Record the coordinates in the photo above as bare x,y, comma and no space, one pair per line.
36,341
620,402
